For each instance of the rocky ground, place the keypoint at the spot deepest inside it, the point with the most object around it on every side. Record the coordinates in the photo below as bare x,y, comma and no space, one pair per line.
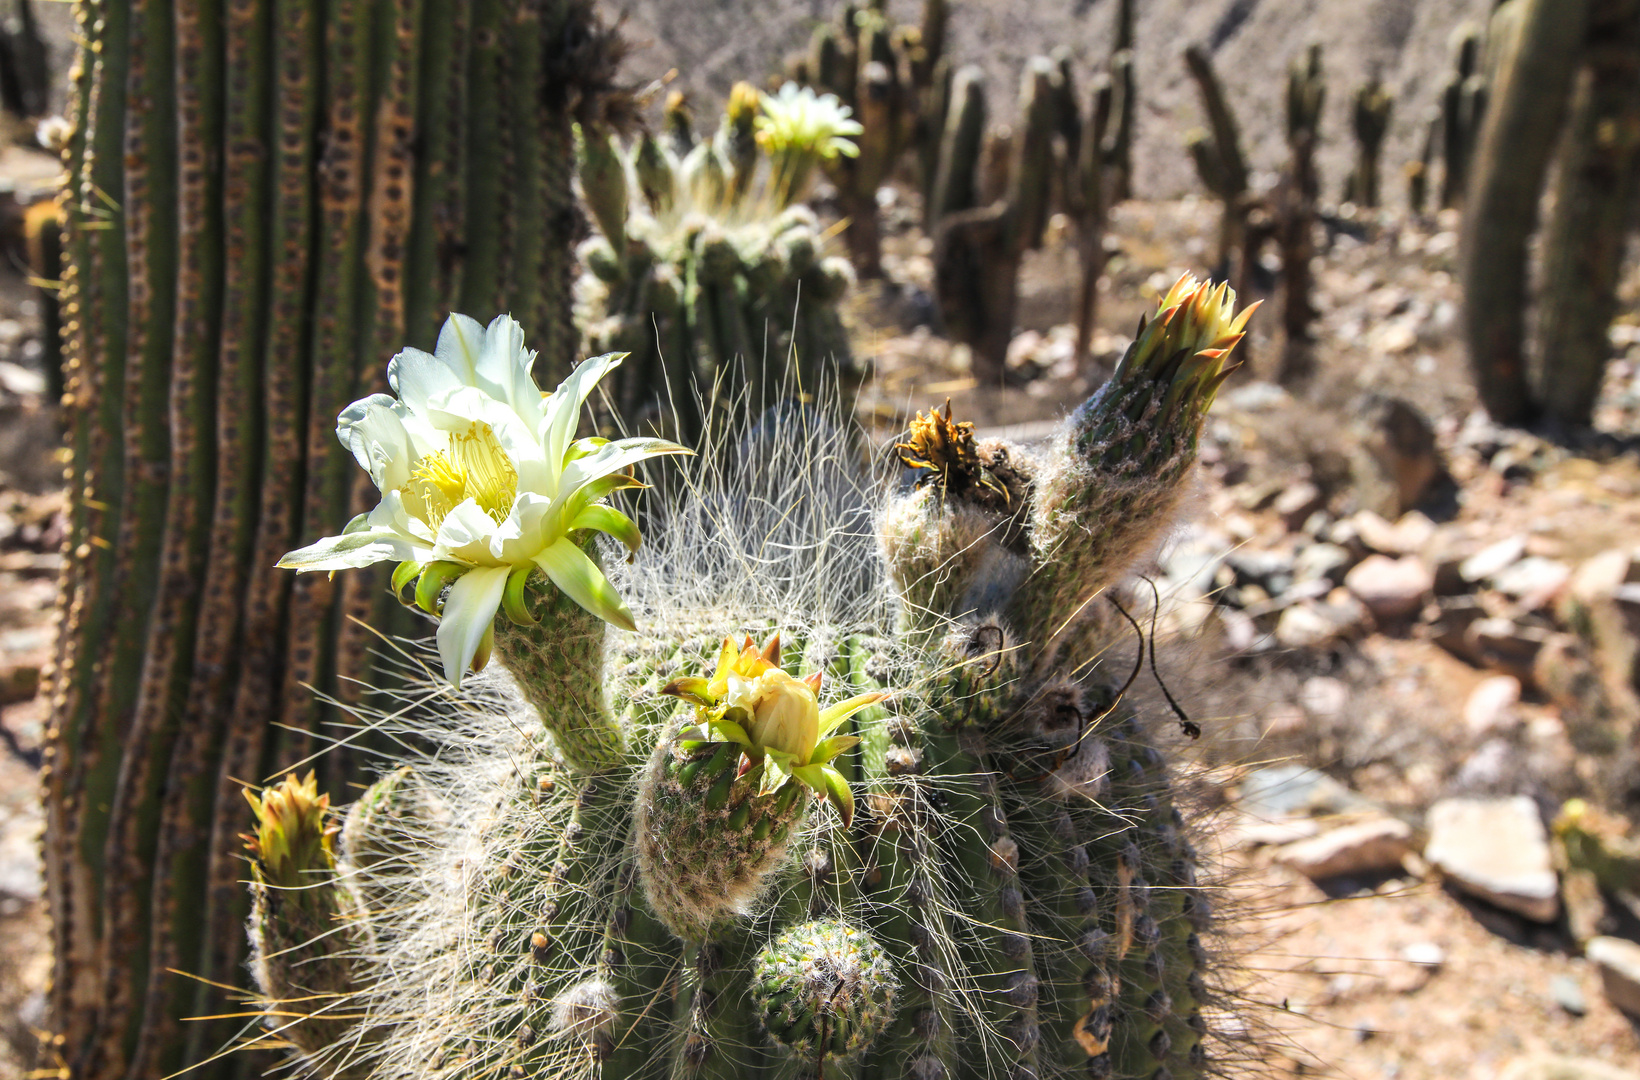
1409,634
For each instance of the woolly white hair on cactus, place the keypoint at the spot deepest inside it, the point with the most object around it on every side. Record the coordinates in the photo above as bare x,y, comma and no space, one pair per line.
482,482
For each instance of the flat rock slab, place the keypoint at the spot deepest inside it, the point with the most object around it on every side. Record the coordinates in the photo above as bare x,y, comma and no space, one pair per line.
1557,1067
1496,850
1618,961
1375,846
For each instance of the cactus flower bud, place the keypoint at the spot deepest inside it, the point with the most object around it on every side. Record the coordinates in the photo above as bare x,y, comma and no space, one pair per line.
785,713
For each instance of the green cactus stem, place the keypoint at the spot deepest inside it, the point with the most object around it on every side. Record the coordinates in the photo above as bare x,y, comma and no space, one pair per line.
1016,890
1219,159
1463,105
1527,108
263,202
1295,216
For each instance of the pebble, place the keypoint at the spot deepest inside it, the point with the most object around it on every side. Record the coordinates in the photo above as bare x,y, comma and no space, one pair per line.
1366,847
1424,954
1496,850
1318,561
1507,646
1534,581
1568,995
1492,559
1294,790
1324,697
1390,588
1297,503
1618,961
1491,706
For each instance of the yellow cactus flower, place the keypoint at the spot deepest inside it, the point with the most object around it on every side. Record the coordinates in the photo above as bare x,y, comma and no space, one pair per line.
292,838
776,718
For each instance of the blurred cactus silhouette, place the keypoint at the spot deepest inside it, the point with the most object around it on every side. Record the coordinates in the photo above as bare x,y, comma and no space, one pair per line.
1554,68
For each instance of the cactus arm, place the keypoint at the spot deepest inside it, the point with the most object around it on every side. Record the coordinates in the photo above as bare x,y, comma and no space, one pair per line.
717,1037
1584,240
1526,108
481,274
995,932
558,664
531,140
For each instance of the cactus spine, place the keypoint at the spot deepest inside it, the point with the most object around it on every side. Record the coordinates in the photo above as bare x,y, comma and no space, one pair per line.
1549,60
1015,892
259,197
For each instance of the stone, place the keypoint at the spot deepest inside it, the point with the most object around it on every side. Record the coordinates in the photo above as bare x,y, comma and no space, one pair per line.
1491,706
1270,570
1566,993
1424,954
1449,628
1390,588
1408,535
1305,626
1375,846
1596,578
1496,850
1295,504
1397,465
1508,646
1492,559
1618,961
1533,581
1324,697
1322,561
1559,1067
1294,790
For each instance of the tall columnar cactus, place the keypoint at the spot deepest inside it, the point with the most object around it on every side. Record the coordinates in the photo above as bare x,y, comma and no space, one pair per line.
1219,160
1295,200
917,832
1417,171
1369,119
977,249
1463,105
1559,68
263,202
1117,144
709,271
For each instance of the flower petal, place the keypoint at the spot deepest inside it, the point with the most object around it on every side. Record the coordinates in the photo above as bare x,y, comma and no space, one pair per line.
460,344
609,459
828,749
465,534
469,611
582,581
563,408
375,435
416,376
509,363
612,521
348,551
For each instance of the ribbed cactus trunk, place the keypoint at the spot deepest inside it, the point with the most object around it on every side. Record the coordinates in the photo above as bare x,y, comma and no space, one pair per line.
1295,214
265,200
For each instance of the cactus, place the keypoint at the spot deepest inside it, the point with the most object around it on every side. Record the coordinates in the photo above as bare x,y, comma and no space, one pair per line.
707,270
1369,119
1543,50
977,251
263,201
1463,106
1219,160
1015,893
1418,172
896,81
1295,200
1117,145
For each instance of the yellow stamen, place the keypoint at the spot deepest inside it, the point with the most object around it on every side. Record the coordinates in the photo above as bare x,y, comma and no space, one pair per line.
475,467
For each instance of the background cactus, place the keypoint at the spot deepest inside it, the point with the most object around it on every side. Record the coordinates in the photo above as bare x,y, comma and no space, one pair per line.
1555,67
1369,120
1016,892
708,271
263,201
1221,164
1295,200
1463,104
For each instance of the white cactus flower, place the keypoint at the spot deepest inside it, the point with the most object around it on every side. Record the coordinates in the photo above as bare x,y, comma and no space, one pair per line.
799,129
482,482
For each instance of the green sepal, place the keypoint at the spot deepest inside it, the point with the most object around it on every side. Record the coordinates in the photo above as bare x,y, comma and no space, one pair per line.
360,523
434,576
404,574
581,448
692,689
829,749
513,601
778,769
829,784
